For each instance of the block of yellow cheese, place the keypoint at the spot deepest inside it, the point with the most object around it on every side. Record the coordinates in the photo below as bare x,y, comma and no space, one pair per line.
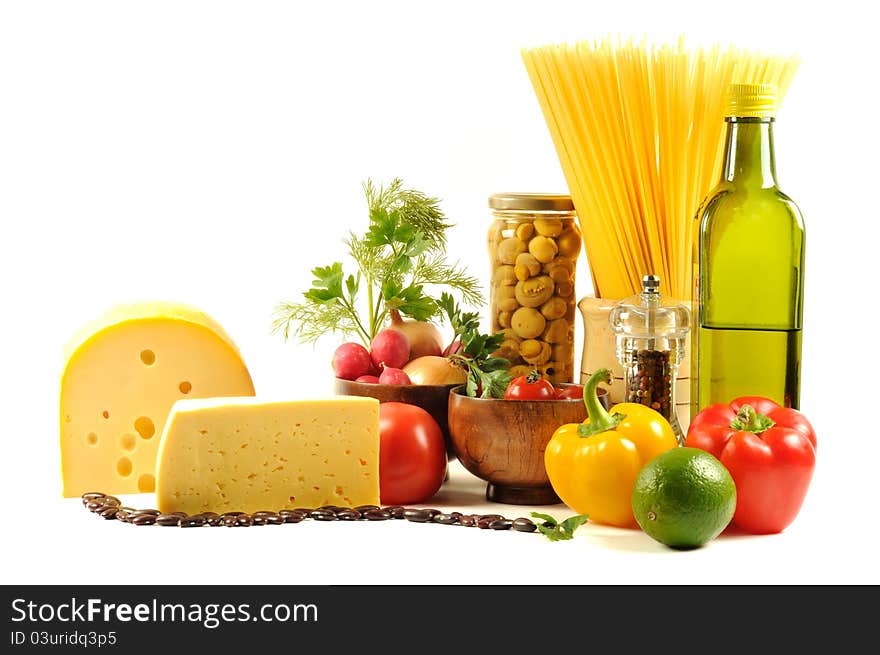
247,455
123,373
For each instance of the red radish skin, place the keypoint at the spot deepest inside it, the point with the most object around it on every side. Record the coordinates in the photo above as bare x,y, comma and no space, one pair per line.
389,349
350,361
369,379
424,338
393,376
453,348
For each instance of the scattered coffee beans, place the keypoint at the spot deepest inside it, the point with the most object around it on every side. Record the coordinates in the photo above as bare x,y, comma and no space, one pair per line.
109,507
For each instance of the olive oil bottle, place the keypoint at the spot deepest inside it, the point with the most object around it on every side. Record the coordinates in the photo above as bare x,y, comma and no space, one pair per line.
749,277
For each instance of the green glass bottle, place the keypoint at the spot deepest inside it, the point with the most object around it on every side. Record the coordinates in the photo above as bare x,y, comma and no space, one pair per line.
749,261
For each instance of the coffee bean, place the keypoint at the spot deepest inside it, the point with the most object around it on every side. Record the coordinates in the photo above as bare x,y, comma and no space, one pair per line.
267,518
108,512
332,508
145,512
467,521
124,514
396,511
90,496
171,518
523,524
483,524
491,517
292,515
96,505
211,518
501,524
195,521
377,515
304,510
417,515
445,519
143,519
317,513
112,500
432,512
243,521
228,521
348,515
457,515
363,509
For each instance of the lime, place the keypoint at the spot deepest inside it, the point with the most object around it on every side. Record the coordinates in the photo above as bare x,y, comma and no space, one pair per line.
683,498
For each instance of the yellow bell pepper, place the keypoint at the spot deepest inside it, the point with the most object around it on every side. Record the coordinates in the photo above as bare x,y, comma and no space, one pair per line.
593,465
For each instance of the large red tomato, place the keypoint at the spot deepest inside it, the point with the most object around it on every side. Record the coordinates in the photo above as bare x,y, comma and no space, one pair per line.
412,454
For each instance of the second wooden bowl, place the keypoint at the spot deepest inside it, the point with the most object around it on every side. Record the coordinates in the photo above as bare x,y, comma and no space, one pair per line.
503,442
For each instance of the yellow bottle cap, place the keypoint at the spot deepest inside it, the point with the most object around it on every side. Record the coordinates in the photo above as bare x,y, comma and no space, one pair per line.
751,100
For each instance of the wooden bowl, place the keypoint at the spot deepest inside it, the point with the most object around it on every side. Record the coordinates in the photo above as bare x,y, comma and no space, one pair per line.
503,442
433,398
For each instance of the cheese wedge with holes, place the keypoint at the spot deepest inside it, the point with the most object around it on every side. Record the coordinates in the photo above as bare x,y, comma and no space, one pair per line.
247,455
122,375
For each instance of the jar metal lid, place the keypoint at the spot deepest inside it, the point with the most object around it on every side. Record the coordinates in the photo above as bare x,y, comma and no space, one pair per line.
552,202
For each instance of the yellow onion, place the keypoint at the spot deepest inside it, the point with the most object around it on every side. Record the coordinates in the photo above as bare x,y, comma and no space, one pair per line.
424,338
432,369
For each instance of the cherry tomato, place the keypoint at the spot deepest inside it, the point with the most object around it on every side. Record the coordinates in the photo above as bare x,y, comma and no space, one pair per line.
574,391
412,454
530,387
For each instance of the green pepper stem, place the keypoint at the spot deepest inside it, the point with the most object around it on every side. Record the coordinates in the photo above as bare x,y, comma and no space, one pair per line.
600,419
748,420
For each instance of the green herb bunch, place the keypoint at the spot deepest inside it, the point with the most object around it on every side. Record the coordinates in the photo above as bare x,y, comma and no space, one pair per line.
487,376
401,256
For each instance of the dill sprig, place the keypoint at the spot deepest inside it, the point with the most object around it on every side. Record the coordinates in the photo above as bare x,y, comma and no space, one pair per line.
400,259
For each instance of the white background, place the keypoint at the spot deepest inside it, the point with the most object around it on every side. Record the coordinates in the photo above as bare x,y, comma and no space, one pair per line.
213,152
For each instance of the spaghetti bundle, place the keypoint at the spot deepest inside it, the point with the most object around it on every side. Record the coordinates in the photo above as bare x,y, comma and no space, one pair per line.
638,129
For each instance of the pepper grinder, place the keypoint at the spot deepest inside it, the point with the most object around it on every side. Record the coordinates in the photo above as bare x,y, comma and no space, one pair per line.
650,334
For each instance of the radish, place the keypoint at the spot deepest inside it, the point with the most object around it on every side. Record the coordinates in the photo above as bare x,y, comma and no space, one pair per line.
351,360
393,376
453,348
389,348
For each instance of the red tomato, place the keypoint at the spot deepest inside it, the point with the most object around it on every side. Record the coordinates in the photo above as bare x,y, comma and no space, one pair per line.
412,454
530,387
574,392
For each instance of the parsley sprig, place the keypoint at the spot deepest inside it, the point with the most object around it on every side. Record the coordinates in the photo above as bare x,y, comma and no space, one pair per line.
398,259
488,376
556,531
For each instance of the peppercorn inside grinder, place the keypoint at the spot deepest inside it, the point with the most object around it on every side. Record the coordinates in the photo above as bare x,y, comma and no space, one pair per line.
650,335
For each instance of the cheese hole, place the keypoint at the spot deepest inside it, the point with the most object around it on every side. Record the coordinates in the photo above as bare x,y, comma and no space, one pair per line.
144,427
105,414
148,357
292,499
67,419
146,483
128,442
92,439
185,387
123,467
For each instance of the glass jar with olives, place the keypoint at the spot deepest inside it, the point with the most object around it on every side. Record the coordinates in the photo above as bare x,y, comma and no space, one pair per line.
534,242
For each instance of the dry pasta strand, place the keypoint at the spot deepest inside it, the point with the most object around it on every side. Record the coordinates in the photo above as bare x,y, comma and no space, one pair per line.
638,129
